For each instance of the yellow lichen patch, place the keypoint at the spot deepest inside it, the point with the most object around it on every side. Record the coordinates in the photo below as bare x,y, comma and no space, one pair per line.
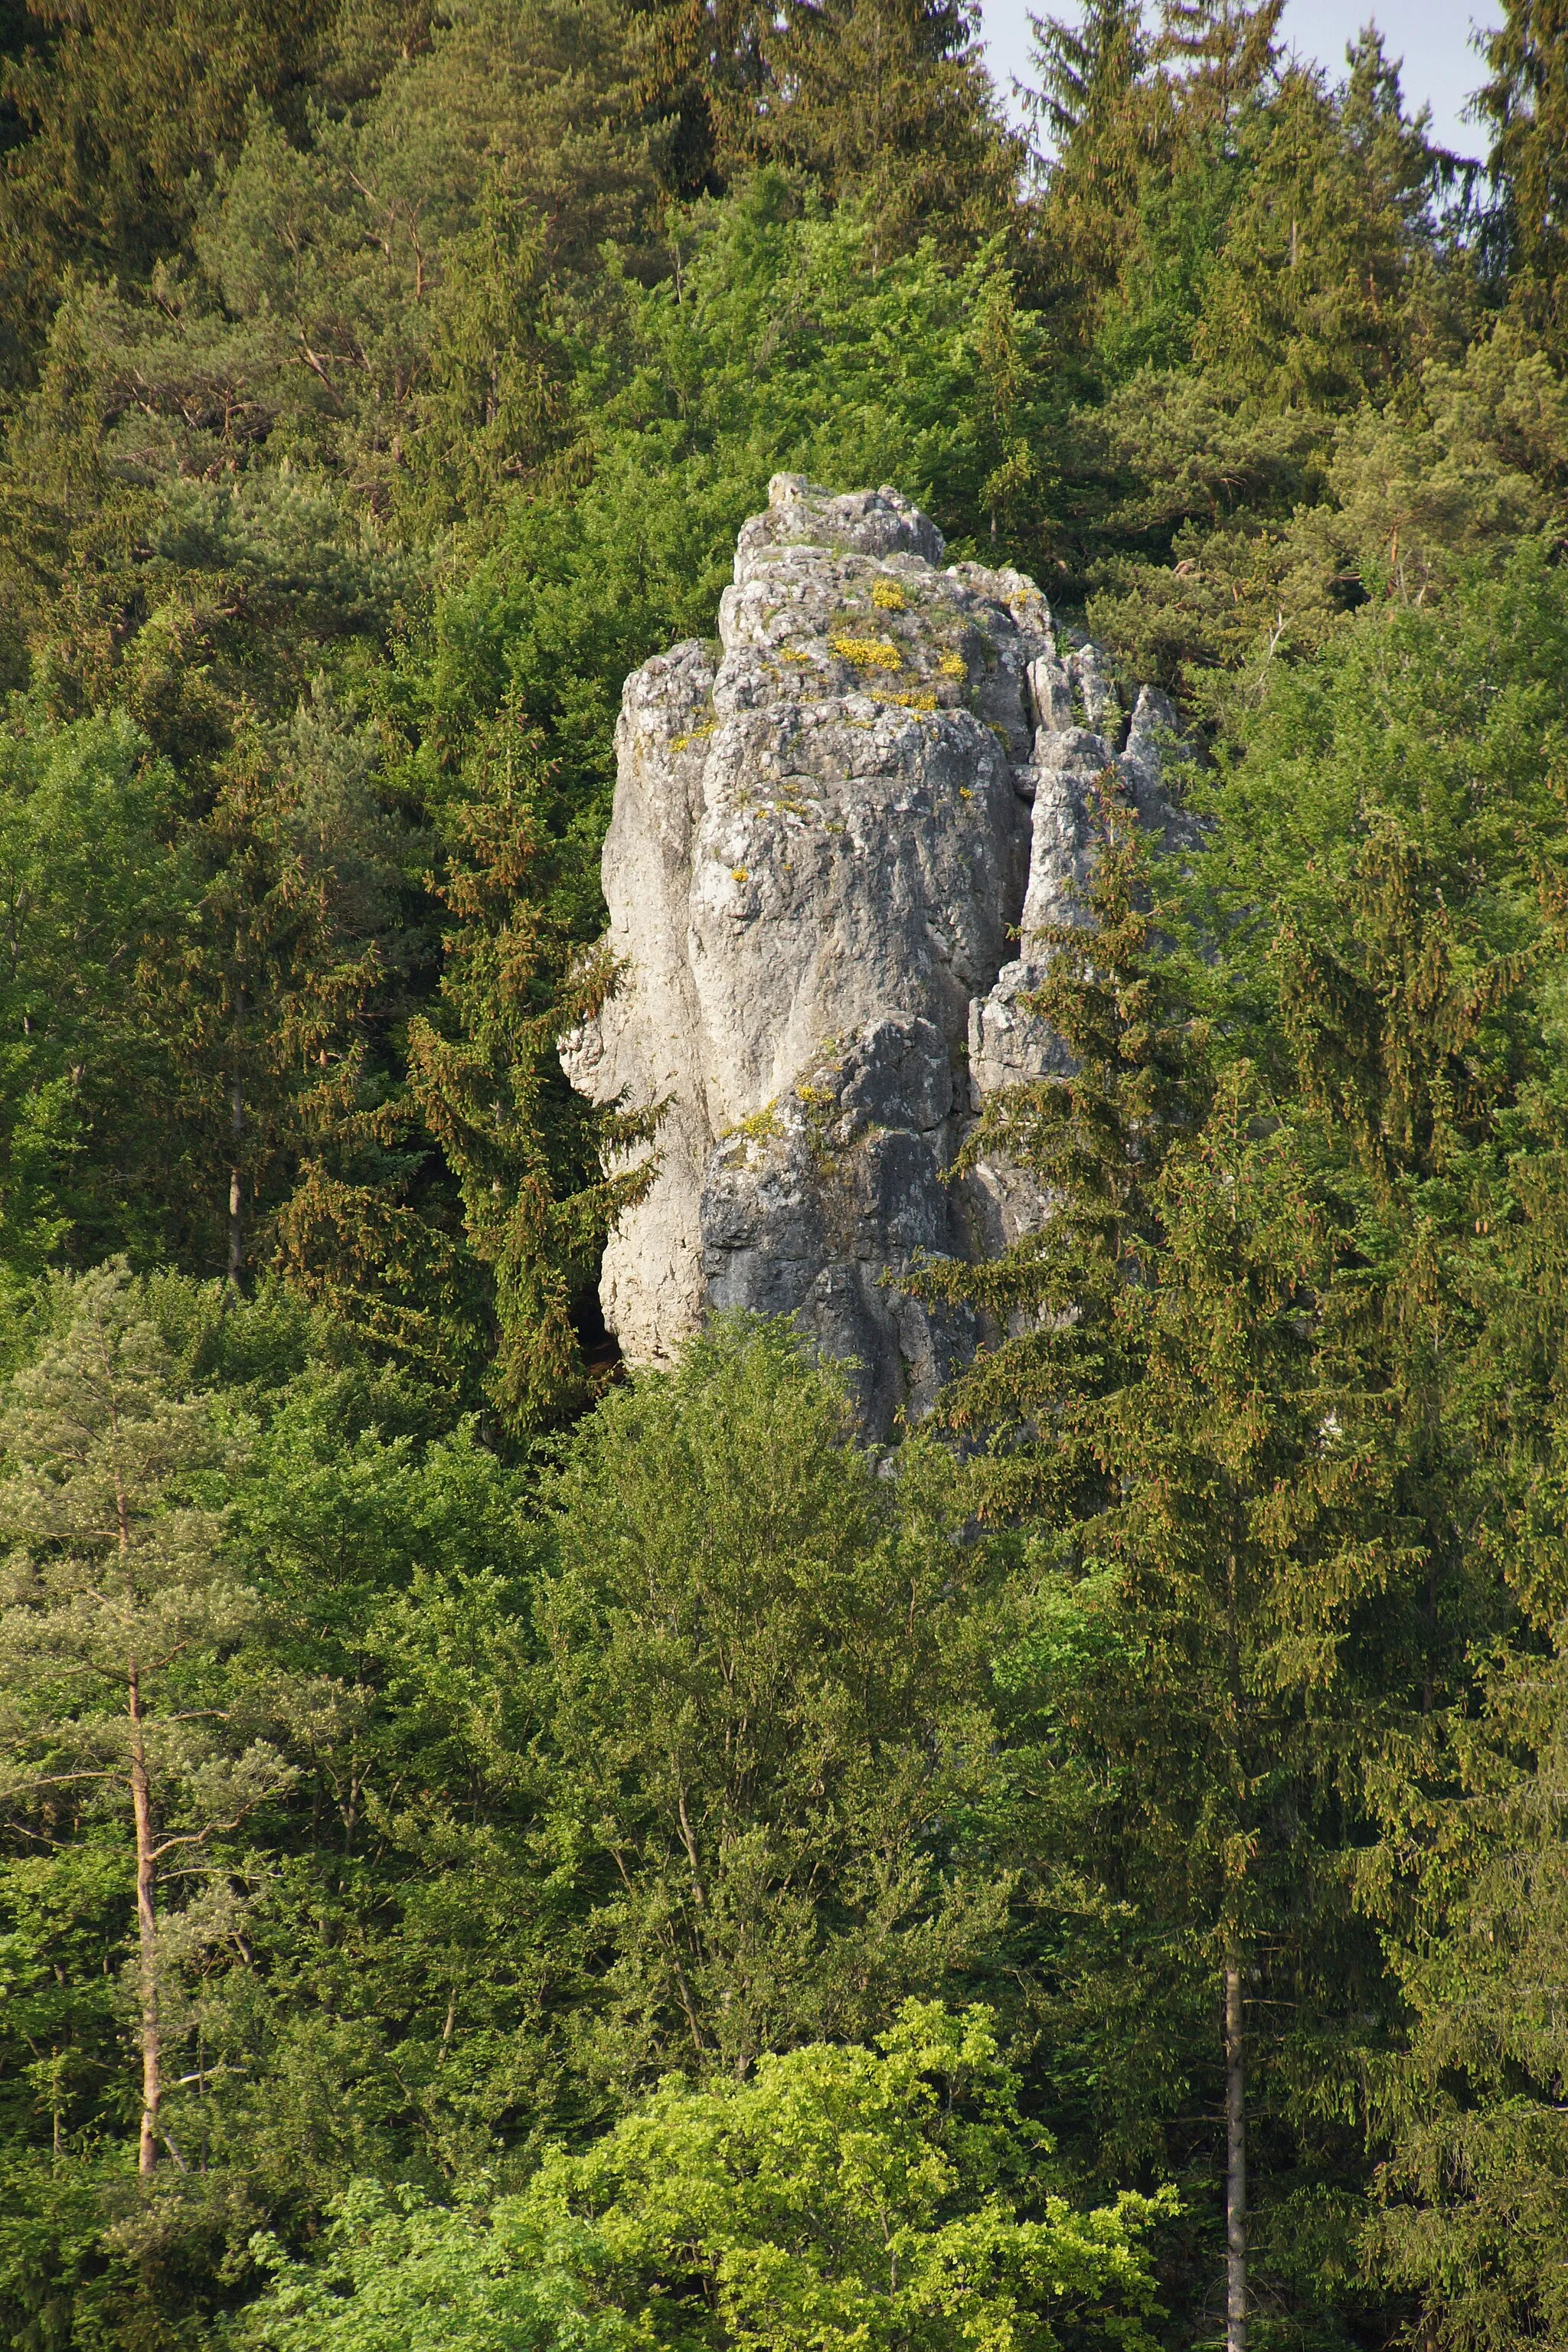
887,596
953,665
738,873
801,661
965,793
869,653
698,735
761,1128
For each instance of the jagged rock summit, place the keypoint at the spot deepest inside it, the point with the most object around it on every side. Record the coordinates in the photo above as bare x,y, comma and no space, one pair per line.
833,840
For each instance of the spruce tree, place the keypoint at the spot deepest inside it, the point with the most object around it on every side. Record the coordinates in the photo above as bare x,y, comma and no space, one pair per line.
700,71
885,102
1093,104
1094,1141
483,1074
300,948
1323,294
119,103
1213,1415
1526,104
1223,52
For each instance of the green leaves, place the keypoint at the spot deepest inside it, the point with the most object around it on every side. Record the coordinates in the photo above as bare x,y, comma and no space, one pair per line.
764,1701
875,2196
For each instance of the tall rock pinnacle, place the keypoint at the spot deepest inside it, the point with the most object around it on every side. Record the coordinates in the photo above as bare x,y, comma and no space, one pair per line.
830,845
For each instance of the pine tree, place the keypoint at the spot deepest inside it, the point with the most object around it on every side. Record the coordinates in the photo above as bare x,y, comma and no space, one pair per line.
118,1614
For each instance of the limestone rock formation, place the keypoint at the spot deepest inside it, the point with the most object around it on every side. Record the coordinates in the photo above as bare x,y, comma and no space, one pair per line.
831,846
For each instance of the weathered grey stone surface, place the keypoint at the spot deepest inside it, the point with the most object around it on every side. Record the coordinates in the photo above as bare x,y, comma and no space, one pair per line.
1008,1046
832,842
816,1204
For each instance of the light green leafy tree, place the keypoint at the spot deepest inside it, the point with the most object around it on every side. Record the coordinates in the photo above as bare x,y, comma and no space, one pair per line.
888,2197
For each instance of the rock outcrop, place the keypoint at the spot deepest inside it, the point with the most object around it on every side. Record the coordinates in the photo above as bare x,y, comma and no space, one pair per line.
834,843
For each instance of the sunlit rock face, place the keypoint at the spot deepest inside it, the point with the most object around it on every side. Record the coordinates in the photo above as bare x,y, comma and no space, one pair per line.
834,842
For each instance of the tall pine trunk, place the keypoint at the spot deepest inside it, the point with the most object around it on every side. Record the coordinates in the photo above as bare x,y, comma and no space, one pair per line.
146,1935
236,1192
237,1143
1235,2158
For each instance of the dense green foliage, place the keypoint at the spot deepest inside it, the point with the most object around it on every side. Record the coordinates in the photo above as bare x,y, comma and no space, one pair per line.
497,1853
838,2195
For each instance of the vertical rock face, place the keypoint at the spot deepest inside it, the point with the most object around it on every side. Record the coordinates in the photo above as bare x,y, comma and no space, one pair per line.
833,840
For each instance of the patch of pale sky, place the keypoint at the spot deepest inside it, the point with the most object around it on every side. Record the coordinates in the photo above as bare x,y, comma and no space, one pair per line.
1432,37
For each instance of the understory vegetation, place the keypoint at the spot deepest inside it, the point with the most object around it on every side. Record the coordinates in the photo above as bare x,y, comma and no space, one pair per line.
497,1854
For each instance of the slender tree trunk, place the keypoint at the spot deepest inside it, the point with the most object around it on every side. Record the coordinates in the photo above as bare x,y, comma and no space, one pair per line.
146,1935
236,1195
1234,2159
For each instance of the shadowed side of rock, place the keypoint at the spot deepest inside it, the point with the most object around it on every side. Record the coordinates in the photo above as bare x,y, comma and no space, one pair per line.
814,1207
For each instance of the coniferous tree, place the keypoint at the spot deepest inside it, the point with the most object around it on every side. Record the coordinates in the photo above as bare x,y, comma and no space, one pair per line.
120,1613
887,102
1471,2198
701,70
1317,302
100,903
1222,50
1526,104
1219,1403
1467,1880
1094,1141
271,1008
483,1074
116,107
1092,104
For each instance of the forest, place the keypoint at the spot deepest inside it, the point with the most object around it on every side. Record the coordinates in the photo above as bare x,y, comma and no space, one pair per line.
504,1855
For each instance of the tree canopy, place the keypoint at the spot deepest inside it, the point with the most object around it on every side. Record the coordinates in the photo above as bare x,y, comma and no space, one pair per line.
497,1850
